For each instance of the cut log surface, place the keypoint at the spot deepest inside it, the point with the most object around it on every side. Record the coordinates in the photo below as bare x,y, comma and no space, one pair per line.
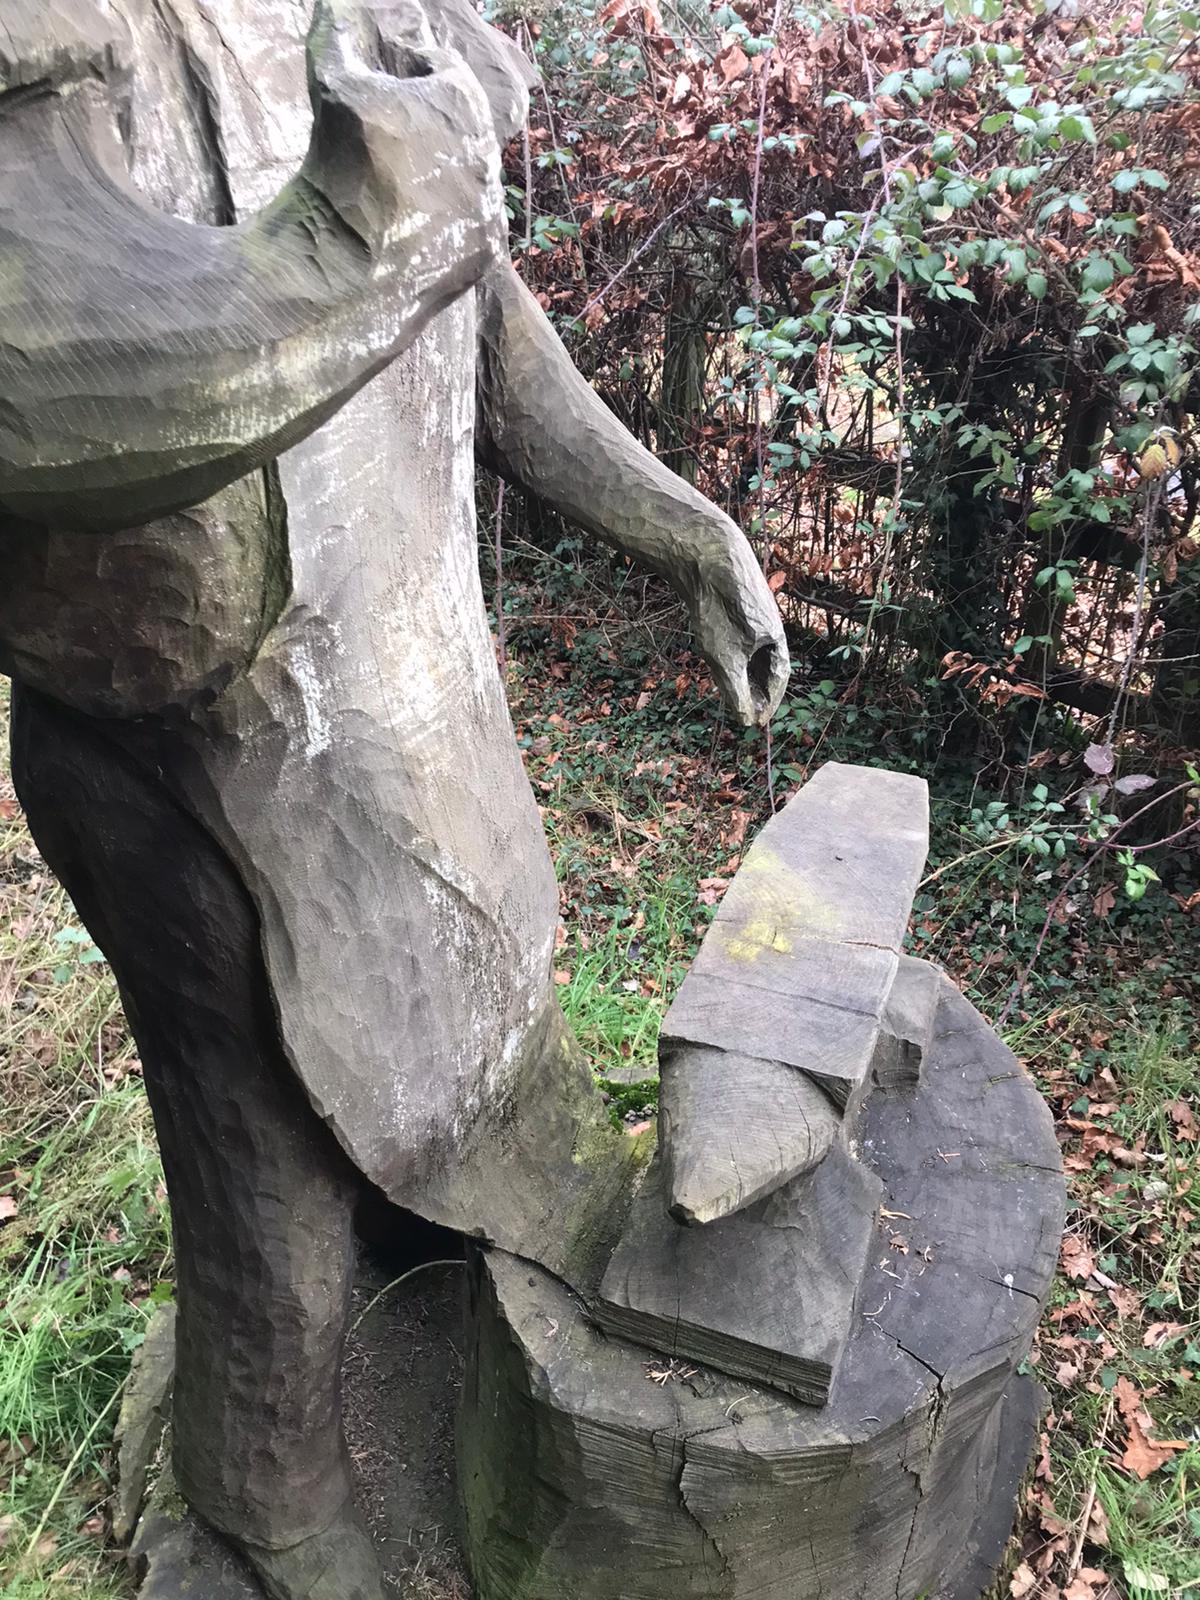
765,1295
908,1018
594,1468
793,976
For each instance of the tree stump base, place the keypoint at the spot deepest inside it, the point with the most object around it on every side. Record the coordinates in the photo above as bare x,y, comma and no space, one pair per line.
596,1468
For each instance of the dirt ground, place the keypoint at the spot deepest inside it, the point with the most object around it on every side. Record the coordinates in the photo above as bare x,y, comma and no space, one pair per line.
403,1374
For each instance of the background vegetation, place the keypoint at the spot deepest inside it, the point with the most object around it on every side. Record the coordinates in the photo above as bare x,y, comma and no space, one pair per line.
912,292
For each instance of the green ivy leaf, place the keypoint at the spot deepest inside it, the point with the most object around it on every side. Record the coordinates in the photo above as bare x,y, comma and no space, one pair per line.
924,82
1036,284
1022,178
998,120
1017,263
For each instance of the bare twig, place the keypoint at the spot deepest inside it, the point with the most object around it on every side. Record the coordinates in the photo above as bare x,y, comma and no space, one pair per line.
64,1480
636,255
456,1261
1149,511
756,295
501,641
528,186
1090,1501
894,518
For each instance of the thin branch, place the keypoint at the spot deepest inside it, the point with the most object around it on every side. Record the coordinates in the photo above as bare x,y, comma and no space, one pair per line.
637,254
424,1266
897,488
756,295
1081,1532
501,641
1135,638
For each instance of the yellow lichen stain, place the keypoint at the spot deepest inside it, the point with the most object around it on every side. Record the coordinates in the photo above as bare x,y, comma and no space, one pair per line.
745,944
779,907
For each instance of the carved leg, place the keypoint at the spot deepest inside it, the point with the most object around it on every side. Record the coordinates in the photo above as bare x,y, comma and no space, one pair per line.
261,1195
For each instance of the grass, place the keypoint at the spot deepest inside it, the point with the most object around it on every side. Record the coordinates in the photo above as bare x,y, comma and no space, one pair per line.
1136,1200
646,805
85,1243
624,960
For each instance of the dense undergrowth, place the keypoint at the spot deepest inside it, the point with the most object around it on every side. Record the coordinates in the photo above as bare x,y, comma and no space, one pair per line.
911,289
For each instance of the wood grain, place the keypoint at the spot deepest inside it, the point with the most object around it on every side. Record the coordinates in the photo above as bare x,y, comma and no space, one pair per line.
795,974
592,1467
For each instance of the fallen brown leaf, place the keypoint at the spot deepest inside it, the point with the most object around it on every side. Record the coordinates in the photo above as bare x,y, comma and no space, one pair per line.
1160,1333
732,63
1144,1455
1078,1262
1023,1581
1105,900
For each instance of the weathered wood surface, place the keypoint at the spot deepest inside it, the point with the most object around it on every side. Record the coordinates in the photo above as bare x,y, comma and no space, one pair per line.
906,1032
282,703
556,437
156,361
145,1408
734,1128
176,1557
304,658
583,1475
402,1376
261,1195
765,1294
795,973
304,661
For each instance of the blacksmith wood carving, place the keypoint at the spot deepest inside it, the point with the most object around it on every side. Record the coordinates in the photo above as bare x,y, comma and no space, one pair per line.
257,326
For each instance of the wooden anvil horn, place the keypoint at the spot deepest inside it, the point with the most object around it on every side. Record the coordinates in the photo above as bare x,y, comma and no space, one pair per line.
146,361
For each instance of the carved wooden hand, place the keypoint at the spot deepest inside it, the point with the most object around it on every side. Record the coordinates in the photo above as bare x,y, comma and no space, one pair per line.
542,425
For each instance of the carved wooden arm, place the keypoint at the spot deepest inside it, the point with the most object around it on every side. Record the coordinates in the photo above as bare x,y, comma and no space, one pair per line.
146,362
543,426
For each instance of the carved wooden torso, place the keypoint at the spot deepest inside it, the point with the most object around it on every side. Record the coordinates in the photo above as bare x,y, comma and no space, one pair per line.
306,661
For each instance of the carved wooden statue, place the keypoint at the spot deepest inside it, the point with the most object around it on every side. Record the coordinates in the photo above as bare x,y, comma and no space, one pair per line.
257,323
